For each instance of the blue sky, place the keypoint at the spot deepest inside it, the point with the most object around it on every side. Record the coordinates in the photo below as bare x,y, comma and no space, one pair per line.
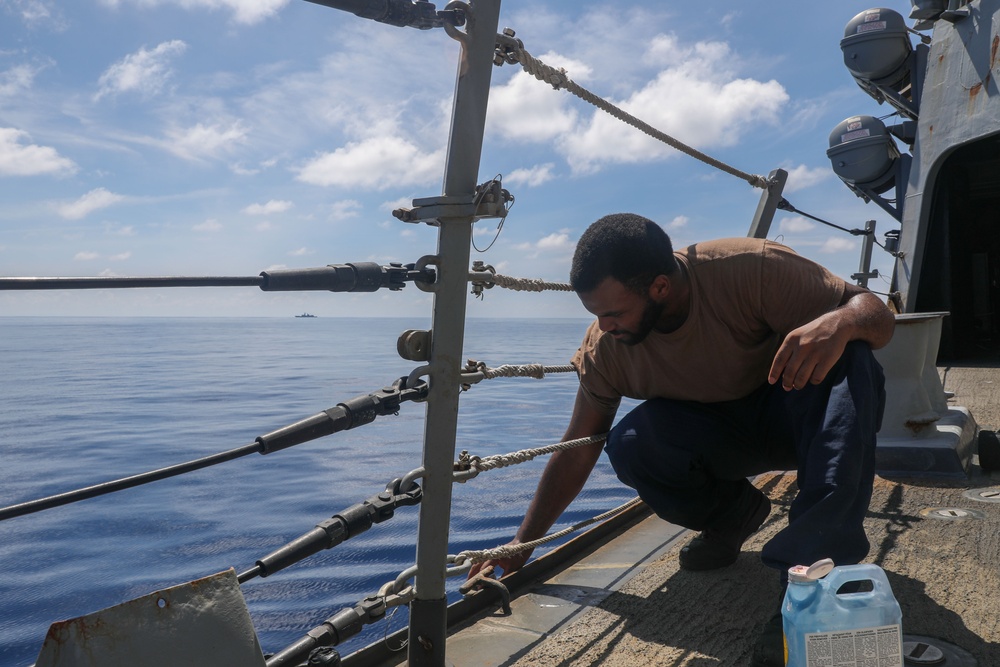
226,137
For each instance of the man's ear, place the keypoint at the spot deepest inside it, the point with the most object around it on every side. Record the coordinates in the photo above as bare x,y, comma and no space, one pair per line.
659,290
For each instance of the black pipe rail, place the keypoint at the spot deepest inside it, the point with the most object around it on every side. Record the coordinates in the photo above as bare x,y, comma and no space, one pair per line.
352,413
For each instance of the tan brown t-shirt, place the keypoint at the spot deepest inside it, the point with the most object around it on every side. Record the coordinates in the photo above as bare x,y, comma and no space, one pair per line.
746,294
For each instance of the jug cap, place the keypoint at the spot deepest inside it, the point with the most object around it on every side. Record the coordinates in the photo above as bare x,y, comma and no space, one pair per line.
809,573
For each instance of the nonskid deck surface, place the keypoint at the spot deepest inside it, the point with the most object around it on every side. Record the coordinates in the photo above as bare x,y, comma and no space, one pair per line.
943,565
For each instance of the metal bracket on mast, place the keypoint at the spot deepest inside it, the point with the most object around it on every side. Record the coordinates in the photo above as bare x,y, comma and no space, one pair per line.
769,200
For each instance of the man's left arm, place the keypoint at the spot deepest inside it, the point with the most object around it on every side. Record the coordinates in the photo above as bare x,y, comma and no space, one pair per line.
809,352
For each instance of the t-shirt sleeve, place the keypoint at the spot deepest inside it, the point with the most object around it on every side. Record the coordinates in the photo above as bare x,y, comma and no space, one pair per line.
595,388
795,290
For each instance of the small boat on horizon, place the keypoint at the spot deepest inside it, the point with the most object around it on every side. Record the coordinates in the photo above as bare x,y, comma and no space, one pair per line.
306,315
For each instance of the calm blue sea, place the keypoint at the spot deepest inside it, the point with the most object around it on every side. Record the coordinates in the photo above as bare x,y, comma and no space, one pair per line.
89,400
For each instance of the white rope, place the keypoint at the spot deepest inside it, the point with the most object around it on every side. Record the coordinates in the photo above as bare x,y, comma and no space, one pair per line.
508,550
526,284
497,461
560,79
536,371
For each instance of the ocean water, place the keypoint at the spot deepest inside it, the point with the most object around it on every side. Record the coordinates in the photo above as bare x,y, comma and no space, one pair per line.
87,400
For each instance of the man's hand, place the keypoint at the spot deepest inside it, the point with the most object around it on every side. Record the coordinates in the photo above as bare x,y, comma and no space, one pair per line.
506,565
808,353
561,481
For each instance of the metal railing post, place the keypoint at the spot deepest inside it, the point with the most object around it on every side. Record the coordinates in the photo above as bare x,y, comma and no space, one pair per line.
865,273
768,204
428,611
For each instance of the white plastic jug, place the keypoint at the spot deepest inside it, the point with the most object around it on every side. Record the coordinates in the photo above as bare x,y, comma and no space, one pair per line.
822,627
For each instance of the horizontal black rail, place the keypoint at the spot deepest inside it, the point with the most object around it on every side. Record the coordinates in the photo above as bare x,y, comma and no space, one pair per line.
118,283
351,277
352,413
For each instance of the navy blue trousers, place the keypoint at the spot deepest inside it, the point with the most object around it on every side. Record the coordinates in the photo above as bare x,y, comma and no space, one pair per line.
690,461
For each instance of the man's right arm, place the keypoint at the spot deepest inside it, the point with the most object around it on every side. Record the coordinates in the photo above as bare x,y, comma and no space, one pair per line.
561,481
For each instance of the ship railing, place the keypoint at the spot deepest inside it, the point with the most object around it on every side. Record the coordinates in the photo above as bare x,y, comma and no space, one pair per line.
439,381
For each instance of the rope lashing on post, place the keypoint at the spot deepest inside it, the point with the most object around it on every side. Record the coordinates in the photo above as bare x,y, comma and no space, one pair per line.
529,284
537,371
508,550
484,277
512,51
469,466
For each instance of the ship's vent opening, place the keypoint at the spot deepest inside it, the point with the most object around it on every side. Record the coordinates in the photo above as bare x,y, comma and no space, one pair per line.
961,267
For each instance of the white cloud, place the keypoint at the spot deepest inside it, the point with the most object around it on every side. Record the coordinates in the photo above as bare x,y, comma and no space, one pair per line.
121,257
144,72
531,176
20,159
37,12
377,163
92,201
345,209
301,252
527,109
210,225
796,224
85,256
16,79
555,241
695,96
699,108
802,177
115,229
204,141
271,207
244,11
677,222
836,244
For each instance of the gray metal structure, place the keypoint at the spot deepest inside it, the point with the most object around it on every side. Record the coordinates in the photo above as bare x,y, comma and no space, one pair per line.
428,611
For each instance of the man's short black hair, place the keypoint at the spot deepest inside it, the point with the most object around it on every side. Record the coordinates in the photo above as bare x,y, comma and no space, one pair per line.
627,247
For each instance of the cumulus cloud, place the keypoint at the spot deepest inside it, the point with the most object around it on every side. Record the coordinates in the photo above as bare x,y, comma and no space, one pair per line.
677,223
244,11
836,244
693,93
205,141
796,224
802,177
345,209
38,12
698,108
210,225
144,72
377,163
524,109
555,241
18,158
270,208
531,176
16,79
92,201
85,256
121,257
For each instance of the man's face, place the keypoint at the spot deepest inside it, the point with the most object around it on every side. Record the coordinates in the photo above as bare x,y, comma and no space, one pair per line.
623,314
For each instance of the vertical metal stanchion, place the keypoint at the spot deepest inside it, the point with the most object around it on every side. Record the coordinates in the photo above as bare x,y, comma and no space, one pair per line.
428,611
865,273
768,204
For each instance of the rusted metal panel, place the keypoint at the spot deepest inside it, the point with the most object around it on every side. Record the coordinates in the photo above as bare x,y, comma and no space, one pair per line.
203,622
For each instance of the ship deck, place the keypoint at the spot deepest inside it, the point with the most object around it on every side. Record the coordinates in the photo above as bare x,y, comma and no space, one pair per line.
628,603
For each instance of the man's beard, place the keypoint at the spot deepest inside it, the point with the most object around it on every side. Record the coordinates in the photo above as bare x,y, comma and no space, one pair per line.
650,315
